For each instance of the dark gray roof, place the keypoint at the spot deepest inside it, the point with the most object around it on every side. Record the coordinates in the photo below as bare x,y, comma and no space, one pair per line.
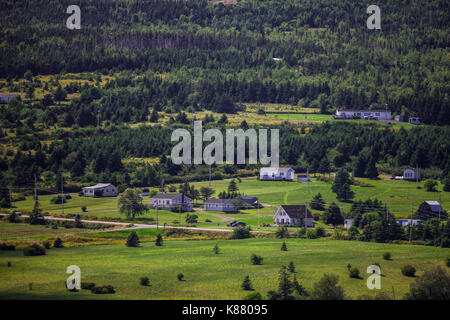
297,211
434,206
220,201
169,196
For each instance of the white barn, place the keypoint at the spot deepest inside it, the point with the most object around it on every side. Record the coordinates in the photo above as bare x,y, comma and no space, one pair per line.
363,114
170,201
290,215
106,189
276,174
411,174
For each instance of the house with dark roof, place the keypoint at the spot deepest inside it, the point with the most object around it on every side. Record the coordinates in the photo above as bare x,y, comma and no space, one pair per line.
281,173
431,209
225,205
251,201
291,215
171,201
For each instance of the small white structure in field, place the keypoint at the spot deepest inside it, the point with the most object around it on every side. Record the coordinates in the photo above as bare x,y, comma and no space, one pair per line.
414,120
348,223
290,215
6,98
411,174
407,222
363,114
170,201
276,173
100,190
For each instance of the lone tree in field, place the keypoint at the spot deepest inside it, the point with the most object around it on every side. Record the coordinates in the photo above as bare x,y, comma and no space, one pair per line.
159,240
291,267
133,240
206,192
216,249
58,243
246,284
327,289
341,185
284,247
433,285
317,202
130,203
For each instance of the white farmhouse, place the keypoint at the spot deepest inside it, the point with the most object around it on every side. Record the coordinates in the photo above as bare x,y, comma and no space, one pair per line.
171,201
363,114
290,215
348,223
276,174
100,190
411,174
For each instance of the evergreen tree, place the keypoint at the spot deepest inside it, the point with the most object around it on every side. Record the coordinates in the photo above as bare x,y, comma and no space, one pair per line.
246,284
333,215
371,170
159,240
58,243
284,285
232,187
301,291
317,202
341,185
132,240
324,166
284,247
216,249
154,116
291,267
4,198
359,167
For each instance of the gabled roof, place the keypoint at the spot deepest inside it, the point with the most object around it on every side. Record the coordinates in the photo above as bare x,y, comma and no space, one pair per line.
434,206
170,196
349,110
296,211
99,186
280,169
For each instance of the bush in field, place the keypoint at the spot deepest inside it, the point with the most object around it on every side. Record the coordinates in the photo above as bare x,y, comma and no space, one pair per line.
241,233
58,243
291,267
34,250
132,240
409,271
387,256
180,277
46,244
216,249
84,208
430,185
256,260
433,285
282,232
7,247
87,285
284,247
159,240
327,289
12,217
253,296
246,284
103,290
320,232
353,272
144,281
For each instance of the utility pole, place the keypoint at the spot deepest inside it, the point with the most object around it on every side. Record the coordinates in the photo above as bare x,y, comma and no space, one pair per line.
98,118
35,191
10,198
417,175
440,206
62,194
209,175
307,178
410,223
157,221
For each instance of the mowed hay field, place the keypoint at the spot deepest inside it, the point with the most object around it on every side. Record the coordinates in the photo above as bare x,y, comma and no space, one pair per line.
207,275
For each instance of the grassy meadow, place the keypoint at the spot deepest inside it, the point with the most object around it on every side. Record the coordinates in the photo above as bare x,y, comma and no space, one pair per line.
207,275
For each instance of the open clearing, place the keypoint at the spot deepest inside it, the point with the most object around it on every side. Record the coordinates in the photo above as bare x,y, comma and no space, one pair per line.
208,276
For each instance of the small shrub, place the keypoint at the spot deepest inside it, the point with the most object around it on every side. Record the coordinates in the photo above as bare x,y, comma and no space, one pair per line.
253,296
84,208
349,266
246,284
144,281
320,232
103,290
311,234
216,249
58,243
9,264
353,272
159,240
291,267
256,260
241,233
34,250
409,271
387,256
180,277
284,247
46,244
87,285
132,240
7,247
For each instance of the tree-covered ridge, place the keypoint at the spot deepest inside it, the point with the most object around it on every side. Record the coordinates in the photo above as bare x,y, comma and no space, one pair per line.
328,56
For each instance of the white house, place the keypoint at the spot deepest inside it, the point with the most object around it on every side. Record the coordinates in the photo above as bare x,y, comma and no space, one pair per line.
363,114
170,201
303,178
276,174
6,98
290,215
414,120
407,222
348,223
100,189
411,174
225,205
